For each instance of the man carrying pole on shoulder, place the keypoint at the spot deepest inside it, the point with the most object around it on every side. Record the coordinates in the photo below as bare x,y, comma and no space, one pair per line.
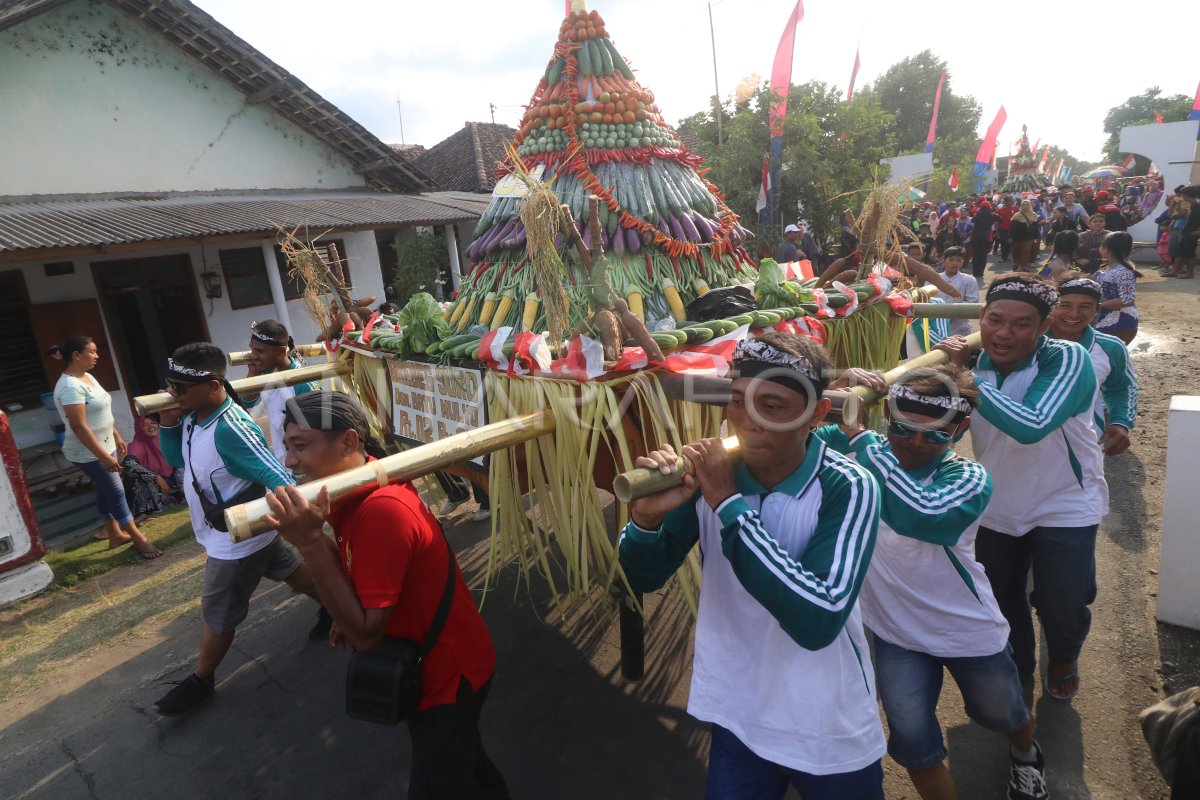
1034,434
391,573
781,667
926,599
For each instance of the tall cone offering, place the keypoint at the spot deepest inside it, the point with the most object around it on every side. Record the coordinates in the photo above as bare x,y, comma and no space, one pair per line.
592,130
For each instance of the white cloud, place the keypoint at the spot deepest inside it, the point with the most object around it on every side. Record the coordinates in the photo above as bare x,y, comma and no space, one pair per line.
1058,70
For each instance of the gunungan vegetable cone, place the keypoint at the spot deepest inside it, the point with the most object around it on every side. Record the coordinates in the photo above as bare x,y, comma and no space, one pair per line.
1023,175
591,128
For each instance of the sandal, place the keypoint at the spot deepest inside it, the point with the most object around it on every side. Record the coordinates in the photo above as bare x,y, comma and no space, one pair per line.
1063,682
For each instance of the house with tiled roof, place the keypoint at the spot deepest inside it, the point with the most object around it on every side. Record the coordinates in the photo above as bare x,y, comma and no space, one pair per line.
466,161
149,160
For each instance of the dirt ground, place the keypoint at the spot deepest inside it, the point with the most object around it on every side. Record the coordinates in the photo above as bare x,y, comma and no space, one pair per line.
80,669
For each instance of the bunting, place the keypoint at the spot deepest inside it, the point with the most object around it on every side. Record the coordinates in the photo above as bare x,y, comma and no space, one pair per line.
937,101
763,206
954,180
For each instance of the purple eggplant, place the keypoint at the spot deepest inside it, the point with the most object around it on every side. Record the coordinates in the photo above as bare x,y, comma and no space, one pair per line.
705,228
745,233
676,228
633,243
558,242
587,238
663,226
521,236
618,242
689,229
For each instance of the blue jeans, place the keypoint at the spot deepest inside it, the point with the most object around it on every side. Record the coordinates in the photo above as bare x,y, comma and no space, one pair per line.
110,494
736,773
910,683
1064,585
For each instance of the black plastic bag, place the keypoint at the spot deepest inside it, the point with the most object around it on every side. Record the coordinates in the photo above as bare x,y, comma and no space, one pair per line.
721,303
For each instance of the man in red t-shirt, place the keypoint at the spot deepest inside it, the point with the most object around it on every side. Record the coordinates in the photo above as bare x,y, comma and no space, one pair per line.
385,576
1004,214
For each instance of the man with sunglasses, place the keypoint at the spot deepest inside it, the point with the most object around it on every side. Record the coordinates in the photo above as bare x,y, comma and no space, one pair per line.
224,458
1034,432
926,599
781,667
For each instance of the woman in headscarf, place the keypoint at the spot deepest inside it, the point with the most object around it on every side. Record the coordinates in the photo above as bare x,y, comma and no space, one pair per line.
151,484
1025,233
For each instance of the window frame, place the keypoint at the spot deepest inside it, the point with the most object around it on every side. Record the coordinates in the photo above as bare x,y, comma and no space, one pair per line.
23,306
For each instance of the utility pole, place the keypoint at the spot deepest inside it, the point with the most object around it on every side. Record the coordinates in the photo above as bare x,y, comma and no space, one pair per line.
492,108
400,111
716,88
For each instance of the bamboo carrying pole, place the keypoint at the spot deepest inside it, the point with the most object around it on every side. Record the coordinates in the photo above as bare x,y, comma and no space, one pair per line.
246,520
242,357
641,482
153,403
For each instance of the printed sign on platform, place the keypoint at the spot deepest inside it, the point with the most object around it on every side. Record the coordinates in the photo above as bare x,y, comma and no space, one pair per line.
431,402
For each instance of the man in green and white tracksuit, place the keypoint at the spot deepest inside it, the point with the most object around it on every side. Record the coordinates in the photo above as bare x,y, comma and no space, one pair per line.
1034,431
781,667
225,460
926,599
1116,400
271,350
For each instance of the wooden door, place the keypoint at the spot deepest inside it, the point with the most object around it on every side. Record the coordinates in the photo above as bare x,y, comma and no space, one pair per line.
54,323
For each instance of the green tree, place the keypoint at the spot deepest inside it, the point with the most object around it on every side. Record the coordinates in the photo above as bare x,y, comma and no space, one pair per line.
906,91
1139,110
820,172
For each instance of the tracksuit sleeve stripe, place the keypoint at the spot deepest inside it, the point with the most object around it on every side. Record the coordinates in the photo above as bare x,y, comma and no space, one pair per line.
812,609
1065,386
246,454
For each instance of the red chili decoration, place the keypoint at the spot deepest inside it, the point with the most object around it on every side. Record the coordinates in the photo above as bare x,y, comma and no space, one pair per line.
649,268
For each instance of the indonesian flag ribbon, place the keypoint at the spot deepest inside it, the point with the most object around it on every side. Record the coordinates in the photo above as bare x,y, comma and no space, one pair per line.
850,307
954,180
882,287
822,302
366,336
711,358
901,304
530,352
584,360
491,348
802,270
335,344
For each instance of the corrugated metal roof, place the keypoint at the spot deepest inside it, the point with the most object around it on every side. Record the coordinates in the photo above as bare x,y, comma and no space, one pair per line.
84,223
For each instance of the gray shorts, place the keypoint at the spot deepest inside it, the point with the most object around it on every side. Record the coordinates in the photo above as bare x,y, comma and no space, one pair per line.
228,584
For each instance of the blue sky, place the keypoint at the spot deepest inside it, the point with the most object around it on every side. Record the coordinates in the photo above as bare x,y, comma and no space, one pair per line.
447,62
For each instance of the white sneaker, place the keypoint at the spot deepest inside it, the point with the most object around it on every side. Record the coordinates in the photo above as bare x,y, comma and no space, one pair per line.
481,514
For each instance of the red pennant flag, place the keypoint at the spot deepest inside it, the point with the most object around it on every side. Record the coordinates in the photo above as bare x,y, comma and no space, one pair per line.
937,101
781,70
1128,162
954,180
1158,118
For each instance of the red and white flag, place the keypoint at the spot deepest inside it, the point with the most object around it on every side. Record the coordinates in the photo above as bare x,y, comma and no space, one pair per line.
1045,155
1128,162
764,189
711,358
1158,117
954,180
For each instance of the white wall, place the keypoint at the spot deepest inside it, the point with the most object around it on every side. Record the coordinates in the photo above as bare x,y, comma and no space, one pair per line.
95,102
1173,148
228,328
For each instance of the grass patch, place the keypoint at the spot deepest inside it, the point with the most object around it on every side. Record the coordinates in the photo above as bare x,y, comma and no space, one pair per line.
71,567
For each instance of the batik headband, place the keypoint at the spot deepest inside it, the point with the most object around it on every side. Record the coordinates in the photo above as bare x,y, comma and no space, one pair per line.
753,358
267,339
951,408
1041,296
1085,286
188,374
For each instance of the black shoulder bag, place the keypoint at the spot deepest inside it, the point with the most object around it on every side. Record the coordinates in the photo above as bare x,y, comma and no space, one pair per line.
214,512
383,685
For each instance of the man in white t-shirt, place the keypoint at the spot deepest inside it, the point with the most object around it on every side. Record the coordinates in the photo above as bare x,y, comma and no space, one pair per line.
968,287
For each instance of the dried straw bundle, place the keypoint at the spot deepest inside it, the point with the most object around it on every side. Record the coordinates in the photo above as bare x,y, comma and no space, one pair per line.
542,218
880,234
307,268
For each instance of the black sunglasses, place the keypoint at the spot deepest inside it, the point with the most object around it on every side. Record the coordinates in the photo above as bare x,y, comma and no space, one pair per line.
902,430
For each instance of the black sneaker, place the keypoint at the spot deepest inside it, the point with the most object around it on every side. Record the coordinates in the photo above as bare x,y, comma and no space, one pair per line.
321,629
187,694
1027,781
